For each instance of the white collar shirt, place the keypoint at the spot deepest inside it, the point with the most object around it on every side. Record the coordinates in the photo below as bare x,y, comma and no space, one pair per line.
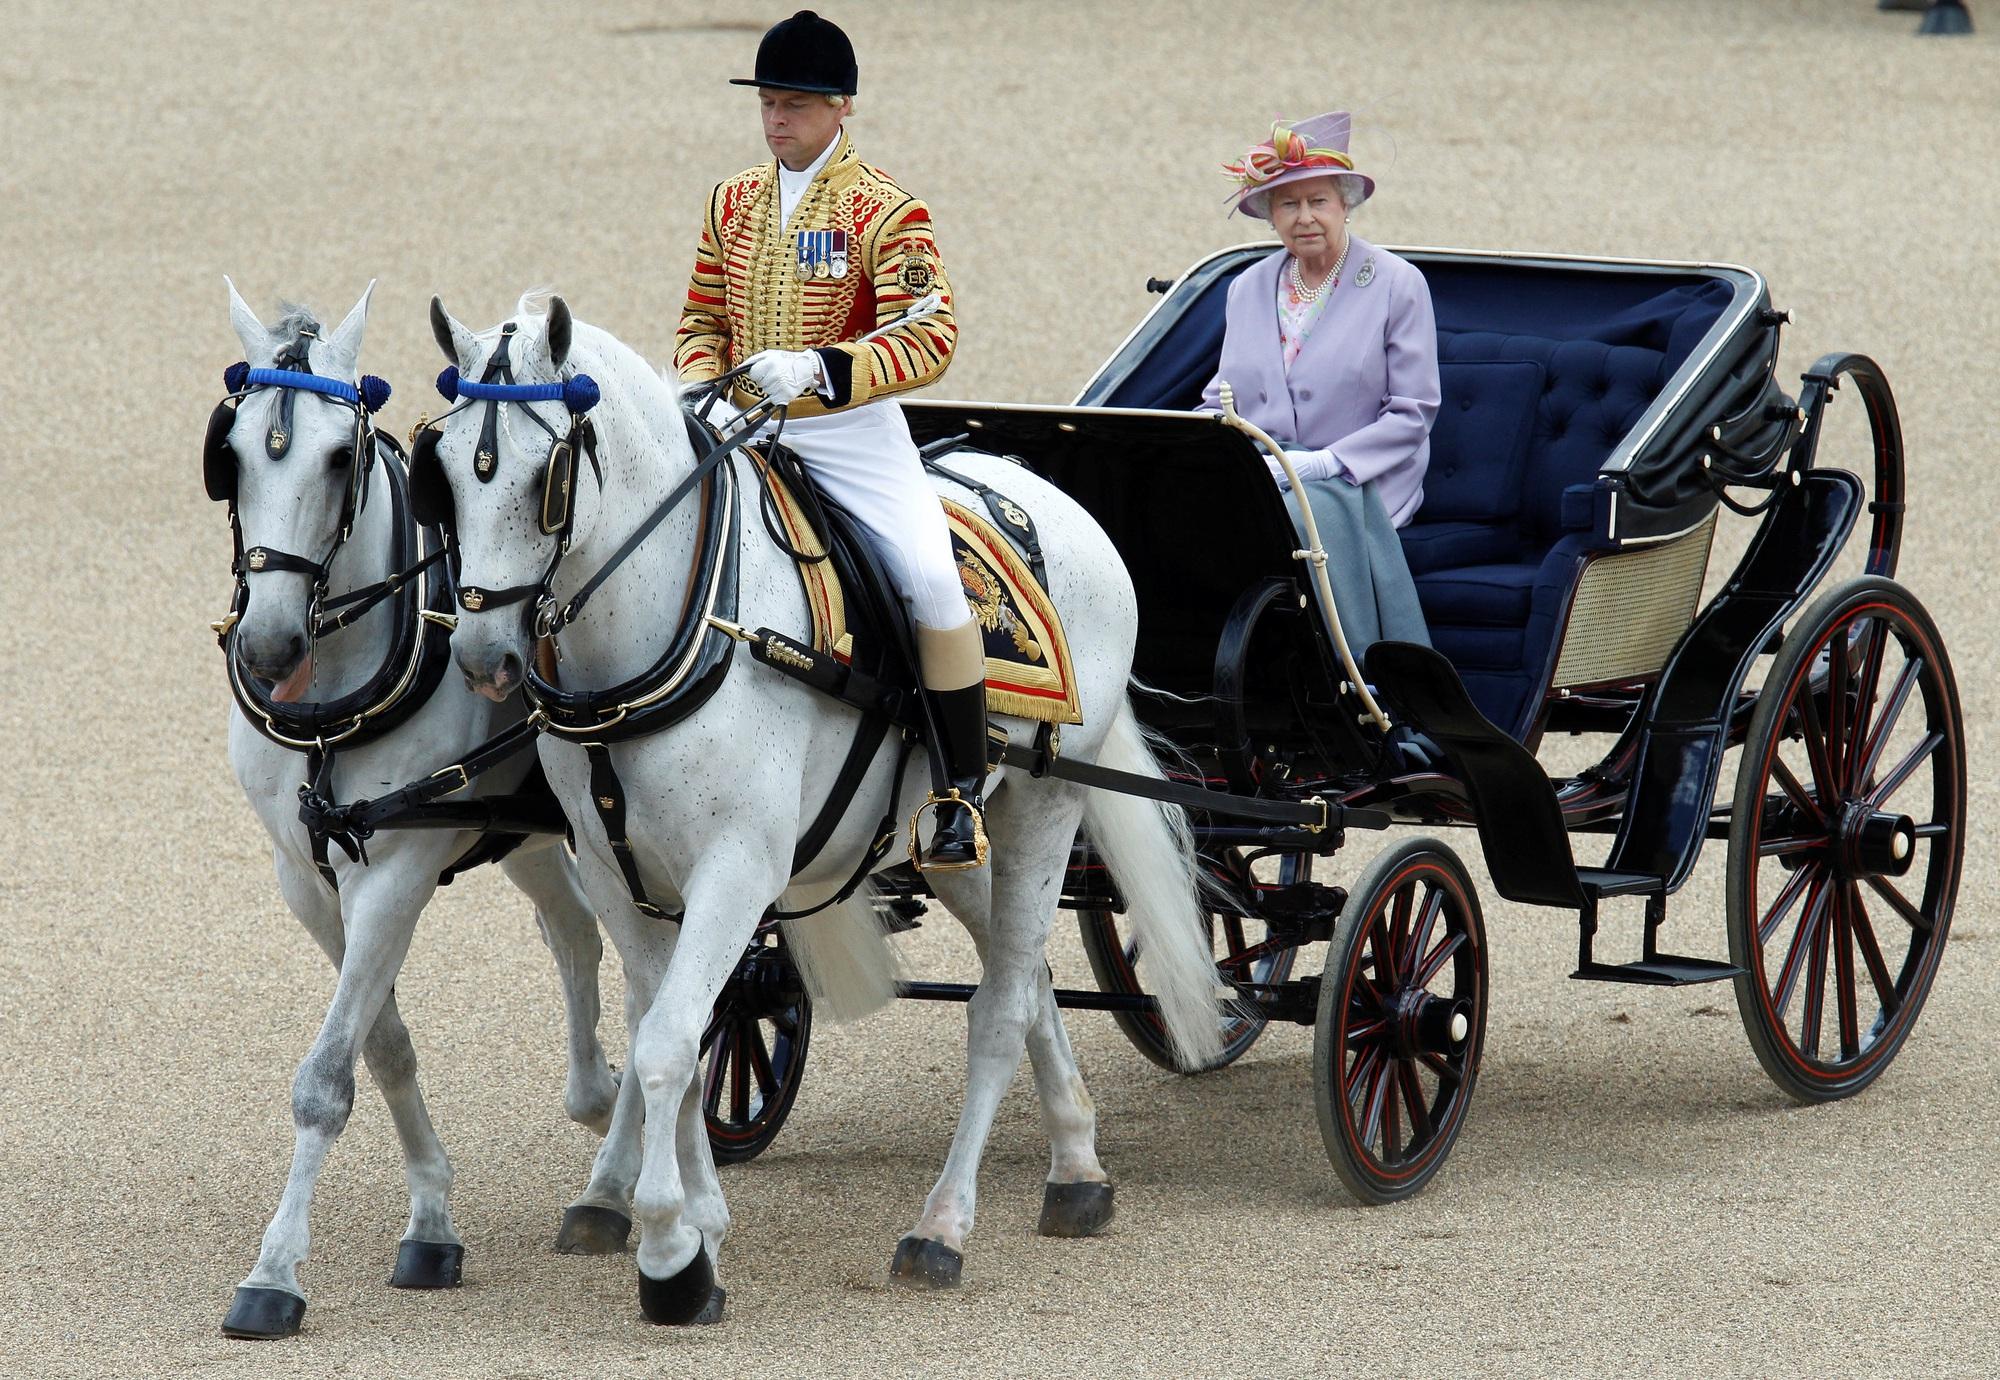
792,185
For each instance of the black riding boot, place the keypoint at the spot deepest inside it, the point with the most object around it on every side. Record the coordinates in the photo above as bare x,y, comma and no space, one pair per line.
958,775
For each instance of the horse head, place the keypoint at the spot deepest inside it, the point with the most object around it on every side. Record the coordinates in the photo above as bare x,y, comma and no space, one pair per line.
284,455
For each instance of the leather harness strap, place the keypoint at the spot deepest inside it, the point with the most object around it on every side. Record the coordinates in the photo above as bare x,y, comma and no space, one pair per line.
607,792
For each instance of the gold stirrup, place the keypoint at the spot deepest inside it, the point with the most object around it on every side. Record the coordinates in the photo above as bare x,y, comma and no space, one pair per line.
978,834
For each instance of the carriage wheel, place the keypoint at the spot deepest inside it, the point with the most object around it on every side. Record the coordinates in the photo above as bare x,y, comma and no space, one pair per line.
1846,838
1402,1017
756,1045
1245,953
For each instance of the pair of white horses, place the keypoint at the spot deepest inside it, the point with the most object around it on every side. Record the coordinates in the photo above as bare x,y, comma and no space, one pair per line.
716,805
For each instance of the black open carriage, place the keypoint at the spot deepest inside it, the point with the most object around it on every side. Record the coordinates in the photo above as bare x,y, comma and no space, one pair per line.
1598,418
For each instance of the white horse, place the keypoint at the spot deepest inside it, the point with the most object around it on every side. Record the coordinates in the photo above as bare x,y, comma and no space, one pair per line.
294,505
716,803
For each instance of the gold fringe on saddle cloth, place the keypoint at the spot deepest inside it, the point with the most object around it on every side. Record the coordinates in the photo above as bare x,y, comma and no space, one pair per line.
1028,670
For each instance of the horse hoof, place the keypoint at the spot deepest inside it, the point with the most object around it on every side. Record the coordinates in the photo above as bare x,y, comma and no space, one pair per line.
588,1230
921,1263
258,1315
428,1265
688,1297
1082,1209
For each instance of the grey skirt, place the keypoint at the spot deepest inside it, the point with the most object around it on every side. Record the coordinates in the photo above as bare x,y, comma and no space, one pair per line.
1371,581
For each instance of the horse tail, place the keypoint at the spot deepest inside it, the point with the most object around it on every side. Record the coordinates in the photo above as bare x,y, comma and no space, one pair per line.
1150,850
843,956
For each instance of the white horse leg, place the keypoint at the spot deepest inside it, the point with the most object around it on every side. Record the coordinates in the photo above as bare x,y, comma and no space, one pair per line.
724,899
569,927
1032,831
368,953
1077,1199
599,1220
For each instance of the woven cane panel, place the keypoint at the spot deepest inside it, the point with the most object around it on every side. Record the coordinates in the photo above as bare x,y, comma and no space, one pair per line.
1630,610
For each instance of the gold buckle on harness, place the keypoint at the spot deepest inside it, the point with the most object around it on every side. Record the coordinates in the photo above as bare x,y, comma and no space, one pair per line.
464,776
933,802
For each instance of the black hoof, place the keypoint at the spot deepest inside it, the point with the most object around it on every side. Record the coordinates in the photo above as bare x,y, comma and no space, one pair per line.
428,1265
1083,1209
683,1298
258,1315
590,1230
922,1263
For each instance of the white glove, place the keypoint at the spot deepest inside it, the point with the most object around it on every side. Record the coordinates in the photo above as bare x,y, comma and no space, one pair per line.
785,375
1310,464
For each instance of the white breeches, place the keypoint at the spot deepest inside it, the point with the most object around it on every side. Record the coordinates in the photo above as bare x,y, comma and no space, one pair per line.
865,460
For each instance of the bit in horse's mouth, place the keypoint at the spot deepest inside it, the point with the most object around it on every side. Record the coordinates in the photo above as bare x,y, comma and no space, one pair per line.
293,687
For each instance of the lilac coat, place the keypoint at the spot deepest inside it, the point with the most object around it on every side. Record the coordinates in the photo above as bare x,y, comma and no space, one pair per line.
1365,384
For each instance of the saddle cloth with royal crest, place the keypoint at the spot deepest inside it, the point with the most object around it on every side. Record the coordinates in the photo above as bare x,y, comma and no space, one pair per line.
1028,668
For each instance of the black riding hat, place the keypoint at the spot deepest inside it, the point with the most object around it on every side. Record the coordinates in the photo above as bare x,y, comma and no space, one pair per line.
804,53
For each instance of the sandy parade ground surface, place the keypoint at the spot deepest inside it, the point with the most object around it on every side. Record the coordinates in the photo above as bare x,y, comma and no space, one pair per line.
1631,1193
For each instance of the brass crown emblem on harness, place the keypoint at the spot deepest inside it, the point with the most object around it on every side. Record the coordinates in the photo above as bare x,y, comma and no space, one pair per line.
256,558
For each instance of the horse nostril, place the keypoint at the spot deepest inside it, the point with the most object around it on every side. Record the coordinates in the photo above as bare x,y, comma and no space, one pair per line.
296,647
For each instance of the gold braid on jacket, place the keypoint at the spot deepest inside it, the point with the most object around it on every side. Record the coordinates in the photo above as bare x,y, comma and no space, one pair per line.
857,254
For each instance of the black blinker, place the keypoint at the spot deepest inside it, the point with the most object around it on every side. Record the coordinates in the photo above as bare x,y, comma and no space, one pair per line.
557,485
430,495
218,460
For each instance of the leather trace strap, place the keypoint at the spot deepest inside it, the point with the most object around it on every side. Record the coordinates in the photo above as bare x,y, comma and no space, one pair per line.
353,824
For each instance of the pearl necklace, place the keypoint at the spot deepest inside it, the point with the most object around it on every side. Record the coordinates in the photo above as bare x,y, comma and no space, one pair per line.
1331,281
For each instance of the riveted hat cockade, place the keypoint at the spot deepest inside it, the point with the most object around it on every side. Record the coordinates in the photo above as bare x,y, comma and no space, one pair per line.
804,53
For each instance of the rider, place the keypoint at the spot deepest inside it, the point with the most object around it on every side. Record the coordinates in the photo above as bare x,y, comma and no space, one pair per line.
800,258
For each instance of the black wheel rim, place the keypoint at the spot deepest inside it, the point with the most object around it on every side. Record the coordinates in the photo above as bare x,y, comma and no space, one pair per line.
1401,1096
756,1044
1842,954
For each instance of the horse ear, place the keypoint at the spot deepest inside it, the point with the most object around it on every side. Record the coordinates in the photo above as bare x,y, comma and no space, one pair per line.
259,346
452,338
559,327
345,342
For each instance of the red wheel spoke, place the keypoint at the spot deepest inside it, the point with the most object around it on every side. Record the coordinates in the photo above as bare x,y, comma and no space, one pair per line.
1366,1031
1382,955
1440,956
1814,736
1837,679
1885,723
1232,935
760,1061
1866,684
1360,1076
1254,954
711,1088
1916,919
1399,927
1871,953
1793,788
1781,848
1843,975
1893,782
1815,987
1371,1118
1442,1067
1413,1098
1787,898
739,1079
1421,941
1788,976
1392,1119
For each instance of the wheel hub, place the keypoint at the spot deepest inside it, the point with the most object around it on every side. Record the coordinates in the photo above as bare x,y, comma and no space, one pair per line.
1873,843
1427,1024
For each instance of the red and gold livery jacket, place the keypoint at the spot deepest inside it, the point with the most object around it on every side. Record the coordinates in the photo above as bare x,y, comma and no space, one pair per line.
857,254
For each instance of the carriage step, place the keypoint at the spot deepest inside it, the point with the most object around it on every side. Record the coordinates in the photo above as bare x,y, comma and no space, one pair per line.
1663,970
1596,881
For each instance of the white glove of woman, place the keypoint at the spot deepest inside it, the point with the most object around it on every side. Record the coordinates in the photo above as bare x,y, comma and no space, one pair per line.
1310,464
784,374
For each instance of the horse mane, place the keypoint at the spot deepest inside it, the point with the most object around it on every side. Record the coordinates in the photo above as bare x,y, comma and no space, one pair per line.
294,322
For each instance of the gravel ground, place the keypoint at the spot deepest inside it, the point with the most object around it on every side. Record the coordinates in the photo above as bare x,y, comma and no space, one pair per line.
1630,1195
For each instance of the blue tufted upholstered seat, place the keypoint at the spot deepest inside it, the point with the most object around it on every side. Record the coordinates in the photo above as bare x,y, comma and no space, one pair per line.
1541,375
1526,420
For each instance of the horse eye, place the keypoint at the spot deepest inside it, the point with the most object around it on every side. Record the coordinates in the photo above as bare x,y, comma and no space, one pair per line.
341,458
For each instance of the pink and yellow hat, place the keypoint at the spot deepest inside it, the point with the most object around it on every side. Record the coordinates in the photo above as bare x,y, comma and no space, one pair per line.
1294,152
